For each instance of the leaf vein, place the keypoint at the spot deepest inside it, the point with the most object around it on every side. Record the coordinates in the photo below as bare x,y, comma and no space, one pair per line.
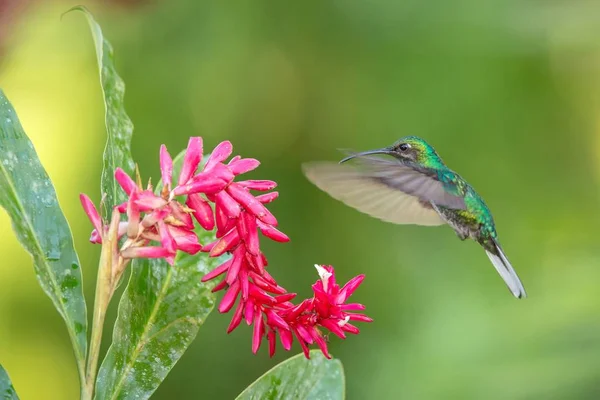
142,341
54,283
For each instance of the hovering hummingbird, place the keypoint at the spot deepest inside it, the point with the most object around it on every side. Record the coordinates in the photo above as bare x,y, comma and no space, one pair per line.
414,186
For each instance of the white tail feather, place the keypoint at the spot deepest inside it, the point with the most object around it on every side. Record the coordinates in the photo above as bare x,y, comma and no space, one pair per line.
507,272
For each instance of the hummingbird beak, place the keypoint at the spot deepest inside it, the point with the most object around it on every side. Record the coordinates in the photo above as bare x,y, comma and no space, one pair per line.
385,150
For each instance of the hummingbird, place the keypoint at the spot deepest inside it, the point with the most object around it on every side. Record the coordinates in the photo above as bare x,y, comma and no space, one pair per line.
408,183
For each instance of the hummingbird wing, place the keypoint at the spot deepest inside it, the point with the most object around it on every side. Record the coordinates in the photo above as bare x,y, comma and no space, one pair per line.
427,184
370,195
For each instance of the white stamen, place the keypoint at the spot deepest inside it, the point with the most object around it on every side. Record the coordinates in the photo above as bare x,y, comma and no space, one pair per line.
324,275
344,321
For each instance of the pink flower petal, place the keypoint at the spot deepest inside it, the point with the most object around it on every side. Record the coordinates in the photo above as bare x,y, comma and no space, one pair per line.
267,197
219,154
333,327
229,226
351,329
266,276
299,309
304,334
236,264
222,220
148,201
122,229
256,263
185,240
260,185
302,344
167,241
219,171
263,284
145,252
155,216
181,215
220,286
234,160
251,234
360,318
273,233
122,208
133,216
217,271
352,307
243,274
192,158
202,211
285,297
320,342
258,332
275,321
166,166
207,248
229,297
200,185
261,296
125,181
272,343
286,338
226,243
349,288
249,202
90,209
237,317
243,165
249,312
321,308
229,206
95,237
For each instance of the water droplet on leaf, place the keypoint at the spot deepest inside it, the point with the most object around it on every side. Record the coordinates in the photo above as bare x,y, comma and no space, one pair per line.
53,255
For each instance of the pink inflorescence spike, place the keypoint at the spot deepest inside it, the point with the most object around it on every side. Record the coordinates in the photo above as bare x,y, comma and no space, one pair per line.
158,226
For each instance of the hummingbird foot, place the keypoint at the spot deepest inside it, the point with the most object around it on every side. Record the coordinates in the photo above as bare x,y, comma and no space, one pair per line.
461,235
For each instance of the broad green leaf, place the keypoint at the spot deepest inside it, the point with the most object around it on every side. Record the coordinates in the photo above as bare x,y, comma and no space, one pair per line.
119,127
28,196
299,378
159,316
7,391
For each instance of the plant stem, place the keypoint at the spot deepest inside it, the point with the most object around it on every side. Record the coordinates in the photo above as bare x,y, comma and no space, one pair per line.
105,285
103,294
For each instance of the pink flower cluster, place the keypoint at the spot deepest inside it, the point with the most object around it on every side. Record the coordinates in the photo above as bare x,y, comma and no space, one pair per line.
158,225
326,309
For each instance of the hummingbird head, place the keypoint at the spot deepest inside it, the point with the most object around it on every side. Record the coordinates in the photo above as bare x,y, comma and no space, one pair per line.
408,148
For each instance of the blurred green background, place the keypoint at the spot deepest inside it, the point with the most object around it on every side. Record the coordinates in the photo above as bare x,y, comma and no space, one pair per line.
507,91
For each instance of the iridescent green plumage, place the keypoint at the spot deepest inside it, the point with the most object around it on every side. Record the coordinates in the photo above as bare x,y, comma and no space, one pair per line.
414,186
477,215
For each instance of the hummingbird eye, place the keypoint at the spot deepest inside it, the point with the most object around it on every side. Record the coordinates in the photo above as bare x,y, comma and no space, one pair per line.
404,146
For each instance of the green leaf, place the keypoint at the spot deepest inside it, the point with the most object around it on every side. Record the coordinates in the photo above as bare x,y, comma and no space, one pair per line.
28,196
159,316
7,391
119,127
299,378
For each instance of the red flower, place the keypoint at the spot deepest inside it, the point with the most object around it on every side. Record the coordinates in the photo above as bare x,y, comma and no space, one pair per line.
157,226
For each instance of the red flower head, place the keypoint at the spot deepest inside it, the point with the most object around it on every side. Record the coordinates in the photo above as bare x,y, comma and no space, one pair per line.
157,226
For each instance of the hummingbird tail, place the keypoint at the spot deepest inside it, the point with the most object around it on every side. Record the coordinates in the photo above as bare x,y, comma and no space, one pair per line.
506,271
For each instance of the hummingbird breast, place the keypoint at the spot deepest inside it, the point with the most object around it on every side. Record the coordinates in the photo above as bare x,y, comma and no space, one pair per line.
465,223
450,217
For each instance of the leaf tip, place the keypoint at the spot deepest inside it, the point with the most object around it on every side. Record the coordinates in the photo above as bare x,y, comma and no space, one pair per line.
80,8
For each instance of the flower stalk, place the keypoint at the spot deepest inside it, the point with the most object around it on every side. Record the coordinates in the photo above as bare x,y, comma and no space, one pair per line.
105,287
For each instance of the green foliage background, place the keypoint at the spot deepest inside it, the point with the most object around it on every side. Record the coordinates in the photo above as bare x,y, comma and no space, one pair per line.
507,91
